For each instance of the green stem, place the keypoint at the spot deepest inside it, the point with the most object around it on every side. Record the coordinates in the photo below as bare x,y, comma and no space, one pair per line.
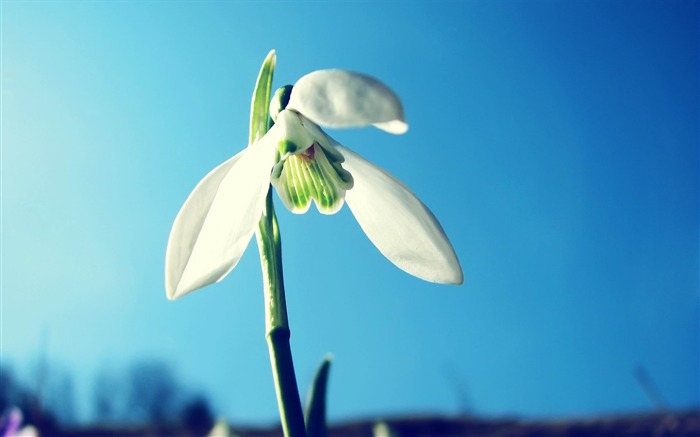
277,325
268,236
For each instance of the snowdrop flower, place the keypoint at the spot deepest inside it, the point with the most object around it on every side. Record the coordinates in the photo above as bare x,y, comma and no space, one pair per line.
304,164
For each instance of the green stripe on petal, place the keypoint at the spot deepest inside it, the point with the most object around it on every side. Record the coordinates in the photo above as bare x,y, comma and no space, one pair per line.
308,176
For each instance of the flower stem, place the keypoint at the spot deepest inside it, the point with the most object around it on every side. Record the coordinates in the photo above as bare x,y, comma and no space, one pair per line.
277,325
268,237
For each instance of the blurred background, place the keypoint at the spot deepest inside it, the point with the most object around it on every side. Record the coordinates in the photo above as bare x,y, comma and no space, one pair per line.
556,142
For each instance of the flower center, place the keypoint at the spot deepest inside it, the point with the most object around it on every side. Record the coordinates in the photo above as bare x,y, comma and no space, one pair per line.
307,155
312,174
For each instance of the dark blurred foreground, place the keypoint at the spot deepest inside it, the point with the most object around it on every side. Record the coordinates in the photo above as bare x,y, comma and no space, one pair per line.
648,424
149,392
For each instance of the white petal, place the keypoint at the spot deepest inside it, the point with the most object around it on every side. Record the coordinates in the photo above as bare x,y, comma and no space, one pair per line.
399,225
293,137
338,98
214,226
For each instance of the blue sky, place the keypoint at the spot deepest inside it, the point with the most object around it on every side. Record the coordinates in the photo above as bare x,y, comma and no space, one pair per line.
556,142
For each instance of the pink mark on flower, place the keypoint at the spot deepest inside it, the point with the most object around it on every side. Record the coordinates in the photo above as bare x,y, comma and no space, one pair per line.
308,154
11,422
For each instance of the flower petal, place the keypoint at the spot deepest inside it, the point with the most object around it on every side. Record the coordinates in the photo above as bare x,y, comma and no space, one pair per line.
292,136
214,226
338,98
400,226
311,176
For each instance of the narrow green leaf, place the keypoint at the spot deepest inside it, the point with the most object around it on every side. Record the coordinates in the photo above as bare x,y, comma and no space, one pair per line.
260,105
316,404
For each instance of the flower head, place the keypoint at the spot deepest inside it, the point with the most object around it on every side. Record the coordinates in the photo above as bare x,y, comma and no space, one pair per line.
306,165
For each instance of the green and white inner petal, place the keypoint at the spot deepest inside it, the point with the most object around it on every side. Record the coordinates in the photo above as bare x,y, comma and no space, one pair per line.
314,174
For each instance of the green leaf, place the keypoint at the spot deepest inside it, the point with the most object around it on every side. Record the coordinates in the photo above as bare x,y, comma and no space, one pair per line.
260,105
316,405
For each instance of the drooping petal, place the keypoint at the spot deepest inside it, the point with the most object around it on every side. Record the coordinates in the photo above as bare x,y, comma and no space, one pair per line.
400,226
339,98
215,225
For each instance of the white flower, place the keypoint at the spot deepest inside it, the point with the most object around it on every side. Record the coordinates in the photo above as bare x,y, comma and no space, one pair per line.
217,221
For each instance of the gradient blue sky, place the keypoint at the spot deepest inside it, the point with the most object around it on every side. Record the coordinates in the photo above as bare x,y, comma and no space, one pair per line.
557,143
